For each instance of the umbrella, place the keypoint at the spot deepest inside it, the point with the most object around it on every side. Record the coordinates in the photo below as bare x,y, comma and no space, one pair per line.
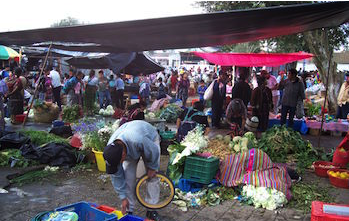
7,53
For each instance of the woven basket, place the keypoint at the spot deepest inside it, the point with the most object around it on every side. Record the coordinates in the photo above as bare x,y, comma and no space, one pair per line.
46,116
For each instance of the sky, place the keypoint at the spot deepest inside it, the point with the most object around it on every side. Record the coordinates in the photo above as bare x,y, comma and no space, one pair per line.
34,14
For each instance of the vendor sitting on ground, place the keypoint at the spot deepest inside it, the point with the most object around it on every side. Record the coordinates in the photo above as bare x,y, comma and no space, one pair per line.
189,119
236,114
134,112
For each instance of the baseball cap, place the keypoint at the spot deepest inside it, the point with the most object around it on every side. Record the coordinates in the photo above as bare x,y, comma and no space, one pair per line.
112,155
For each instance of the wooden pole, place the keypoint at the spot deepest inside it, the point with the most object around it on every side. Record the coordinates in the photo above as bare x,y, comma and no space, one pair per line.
322,111
37,85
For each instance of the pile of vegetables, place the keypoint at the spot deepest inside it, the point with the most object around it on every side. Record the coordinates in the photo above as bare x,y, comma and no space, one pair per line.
170,113
193,142
43,106
109,111
71,113
303,194
149,115
42,137
34,176
206,196
14,158
283,144
266,198
222,146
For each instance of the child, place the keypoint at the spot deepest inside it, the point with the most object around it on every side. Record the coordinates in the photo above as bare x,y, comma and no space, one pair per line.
201,91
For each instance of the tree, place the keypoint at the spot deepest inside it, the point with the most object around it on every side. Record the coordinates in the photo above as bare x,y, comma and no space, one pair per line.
69,21
320,42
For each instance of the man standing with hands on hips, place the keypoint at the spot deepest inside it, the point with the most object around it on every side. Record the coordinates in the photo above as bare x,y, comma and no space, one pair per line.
129,142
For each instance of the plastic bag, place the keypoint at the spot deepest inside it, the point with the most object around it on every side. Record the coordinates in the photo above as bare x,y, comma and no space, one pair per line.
209,92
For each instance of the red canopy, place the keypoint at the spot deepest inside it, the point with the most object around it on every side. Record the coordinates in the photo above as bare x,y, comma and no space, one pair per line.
252,59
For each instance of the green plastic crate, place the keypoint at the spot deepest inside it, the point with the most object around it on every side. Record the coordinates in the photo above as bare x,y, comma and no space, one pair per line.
200,169
167,135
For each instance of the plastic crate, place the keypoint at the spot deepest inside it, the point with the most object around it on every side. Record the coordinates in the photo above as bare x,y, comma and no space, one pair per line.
167,135
131,218
86,212
317,212
200,169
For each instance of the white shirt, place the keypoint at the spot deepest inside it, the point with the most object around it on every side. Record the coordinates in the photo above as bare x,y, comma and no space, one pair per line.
56,78
271,83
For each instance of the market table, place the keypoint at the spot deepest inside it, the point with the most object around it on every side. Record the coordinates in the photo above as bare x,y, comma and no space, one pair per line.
298,125
342,126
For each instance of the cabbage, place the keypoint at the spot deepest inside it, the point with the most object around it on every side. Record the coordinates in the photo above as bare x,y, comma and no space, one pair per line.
219,137
236,139
101,111
267,198
227,139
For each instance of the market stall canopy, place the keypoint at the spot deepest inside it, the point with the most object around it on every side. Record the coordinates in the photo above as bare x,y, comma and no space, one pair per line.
186,31
253,59
131,63
7,53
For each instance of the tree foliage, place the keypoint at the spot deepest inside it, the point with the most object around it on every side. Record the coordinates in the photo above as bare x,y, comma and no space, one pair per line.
69,21
320,42
289,43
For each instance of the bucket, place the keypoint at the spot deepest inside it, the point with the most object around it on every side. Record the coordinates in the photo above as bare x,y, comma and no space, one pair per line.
75,141
340,158
100,160
252,124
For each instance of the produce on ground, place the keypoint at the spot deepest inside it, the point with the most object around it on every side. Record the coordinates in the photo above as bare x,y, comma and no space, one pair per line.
35,175
282,143
303,194
206,196
221,146
109,111
149,115
170,113
266,198
42,137
71,113
14,158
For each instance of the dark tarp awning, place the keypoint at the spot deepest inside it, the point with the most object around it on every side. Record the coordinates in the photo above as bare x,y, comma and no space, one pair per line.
188,31
130,63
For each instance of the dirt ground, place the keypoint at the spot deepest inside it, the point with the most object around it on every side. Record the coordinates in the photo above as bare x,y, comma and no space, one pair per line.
24,202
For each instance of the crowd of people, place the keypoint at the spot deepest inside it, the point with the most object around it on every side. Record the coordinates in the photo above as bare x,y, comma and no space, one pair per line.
239,100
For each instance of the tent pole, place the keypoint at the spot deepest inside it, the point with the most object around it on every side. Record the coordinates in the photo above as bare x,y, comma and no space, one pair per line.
322,111
37,85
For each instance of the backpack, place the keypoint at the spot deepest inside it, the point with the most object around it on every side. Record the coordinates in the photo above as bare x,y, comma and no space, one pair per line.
187,124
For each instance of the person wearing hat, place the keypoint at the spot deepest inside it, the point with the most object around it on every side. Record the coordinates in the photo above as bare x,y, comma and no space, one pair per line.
129,142
343,99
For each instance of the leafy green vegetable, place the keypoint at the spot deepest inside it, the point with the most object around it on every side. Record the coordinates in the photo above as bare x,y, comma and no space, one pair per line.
169,113
312,109
282,144
175,171
42,137
71,114
304,194
32,176
14,155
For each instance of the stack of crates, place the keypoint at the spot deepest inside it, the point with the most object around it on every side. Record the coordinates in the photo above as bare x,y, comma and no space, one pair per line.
200,169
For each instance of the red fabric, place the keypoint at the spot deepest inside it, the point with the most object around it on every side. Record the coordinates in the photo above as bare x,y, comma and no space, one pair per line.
252,59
